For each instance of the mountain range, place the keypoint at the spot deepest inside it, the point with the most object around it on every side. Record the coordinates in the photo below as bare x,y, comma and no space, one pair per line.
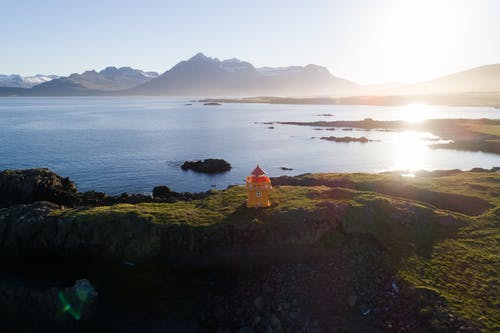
205,76
201,75
18,81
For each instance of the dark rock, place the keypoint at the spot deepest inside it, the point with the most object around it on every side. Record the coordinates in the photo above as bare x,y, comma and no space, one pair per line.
351,300
365,309
259,303
275,322
246,329
286,168
27,186
161,192
212,103
209,165
267,288
345,139
92,198
271,127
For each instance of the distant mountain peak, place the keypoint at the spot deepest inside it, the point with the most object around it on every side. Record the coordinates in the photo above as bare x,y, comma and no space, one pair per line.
235,65
109,69
202,75
199,56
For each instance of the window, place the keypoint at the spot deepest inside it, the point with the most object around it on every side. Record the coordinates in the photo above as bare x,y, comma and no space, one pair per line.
258,194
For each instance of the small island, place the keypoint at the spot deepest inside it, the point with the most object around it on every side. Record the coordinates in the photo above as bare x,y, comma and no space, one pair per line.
210,165
463,134
346,139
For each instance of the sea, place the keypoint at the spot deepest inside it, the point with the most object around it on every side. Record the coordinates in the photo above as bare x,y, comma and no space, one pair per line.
132,144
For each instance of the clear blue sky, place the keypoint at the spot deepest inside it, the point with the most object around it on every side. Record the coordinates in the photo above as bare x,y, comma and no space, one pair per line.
367,41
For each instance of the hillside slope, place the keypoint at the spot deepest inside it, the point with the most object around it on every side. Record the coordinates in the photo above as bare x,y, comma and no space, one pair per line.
357,252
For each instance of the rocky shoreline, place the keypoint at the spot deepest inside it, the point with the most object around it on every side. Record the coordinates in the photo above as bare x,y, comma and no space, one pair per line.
27,186
297,269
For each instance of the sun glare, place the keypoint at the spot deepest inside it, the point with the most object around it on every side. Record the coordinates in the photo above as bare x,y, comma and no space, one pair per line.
409,151
415,113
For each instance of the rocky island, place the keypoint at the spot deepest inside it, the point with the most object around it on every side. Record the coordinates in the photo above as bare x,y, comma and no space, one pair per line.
210,165
346,139
358,252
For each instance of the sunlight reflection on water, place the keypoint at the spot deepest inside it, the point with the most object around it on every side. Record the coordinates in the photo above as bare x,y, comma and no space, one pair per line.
133,144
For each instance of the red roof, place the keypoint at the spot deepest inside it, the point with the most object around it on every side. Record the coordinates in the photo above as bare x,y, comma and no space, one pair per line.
258,171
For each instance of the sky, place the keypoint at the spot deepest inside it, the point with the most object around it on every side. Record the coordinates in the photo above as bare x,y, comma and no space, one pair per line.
366,41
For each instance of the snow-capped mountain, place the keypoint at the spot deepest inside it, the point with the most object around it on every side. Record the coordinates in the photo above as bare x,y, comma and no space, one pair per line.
109,79
18,81
204,76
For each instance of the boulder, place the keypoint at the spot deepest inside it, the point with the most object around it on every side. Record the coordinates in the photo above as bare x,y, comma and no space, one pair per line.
210,165
161,192
27,186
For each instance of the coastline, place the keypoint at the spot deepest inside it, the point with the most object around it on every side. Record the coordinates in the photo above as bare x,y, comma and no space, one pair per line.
367,236
465,134
491,99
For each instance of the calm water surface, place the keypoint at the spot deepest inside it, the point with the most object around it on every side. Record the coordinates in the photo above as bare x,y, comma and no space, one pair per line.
131,144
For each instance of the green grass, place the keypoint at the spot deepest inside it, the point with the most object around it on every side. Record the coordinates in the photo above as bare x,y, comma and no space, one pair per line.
228,206
462,266
491,129
461,262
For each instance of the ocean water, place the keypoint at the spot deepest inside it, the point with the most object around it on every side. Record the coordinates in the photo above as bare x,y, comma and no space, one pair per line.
131,144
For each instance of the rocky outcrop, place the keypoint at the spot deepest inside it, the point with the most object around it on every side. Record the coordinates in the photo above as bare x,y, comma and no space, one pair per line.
160,194
346,139
210,165
32,185
26,186
31,229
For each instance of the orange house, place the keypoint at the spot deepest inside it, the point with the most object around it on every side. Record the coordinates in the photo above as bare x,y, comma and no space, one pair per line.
258,188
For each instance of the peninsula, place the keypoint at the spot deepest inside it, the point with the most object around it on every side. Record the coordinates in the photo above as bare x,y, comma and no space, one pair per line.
358,251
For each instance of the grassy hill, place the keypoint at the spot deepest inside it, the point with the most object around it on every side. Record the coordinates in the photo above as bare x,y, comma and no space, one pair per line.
354,251
439,232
